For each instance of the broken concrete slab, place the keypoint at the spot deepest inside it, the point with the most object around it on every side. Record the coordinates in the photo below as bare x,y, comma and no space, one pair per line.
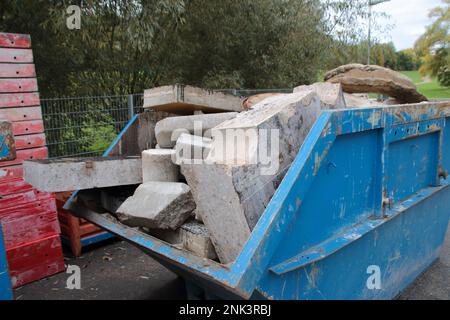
358,78
185,100
190,149
79,174
195,238
169,130
158,205
243,189
330,94
249,138
249,102
158,165
360,101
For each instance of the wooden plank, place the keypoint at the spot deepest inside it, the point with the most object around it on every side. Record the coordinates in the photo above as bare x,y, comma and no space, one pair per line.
44,202
88,229
16,55
19,100
36,260
16,171
9,70
14,40
13,200
28,127
30,141
13,185
21,114
27,154
29,228
18,85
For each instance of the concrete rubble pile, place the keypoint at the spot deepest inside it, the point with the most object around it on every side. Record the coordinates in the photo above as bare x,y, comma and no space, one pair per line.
215,160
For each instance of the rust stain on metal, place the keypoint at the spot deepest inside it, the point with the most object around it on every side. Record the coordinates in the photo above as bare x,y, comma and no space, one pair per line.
318,159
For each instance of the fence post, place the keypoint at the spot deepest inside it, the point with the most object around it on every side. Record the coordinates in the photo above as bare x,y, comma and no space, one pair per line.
130,106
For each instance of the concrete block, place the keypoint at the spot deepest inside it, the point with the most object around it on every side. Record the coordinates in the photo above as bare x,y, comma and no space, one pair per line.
158,205
191,148
80,174
195,238
169,130
360,101
330,94
186,100
242,189
158,165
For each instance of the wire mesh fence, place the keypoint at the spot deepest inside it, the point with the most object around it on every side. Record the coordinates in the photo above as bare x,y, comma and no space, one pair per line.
86,126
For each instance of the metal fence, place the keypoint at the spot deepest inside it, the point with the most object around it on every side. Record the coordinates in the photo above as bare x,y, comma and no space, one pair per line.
86,126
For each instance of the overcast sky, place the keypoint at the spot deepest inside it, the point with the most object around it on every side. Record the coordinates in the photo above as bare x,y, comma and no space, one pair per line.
409,19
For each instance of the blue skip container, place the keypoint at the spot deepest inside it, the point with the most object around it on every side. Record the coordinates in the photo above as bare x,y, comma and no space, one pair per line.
362,212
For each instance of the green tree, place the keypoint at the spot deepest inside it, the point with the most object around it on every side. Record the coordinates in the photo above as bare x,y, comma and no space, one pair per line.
407,60
434,45
127,46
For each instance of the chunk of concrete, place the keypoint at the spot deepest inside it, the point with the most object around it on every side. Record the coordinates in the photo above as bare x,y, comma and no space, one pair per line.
158,205
358,78
195,238
241,189
190,149
360,101
330,94
169,130
80,174
186,100
249,102
158,165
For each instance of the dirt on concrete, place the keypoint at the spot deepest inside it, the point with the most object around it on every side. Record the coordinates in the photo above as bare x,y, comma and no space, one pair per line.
119,271
112,271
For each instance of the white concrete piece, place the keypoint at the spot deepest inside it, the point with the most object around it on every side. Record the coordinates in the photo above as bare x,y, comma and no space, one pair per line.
181,99
330,94
158,165
169,130
195,238
242,189
191,148
80,174
158,205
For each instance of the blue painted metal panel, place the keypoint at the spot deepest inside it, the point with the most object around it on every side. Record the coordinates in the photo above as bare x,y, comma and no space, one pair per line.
5,281
355,197
413,165
446,151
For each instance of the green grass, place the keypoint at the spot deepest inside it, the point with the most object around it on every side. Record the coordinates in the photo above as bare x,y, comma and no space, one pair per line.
432,90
